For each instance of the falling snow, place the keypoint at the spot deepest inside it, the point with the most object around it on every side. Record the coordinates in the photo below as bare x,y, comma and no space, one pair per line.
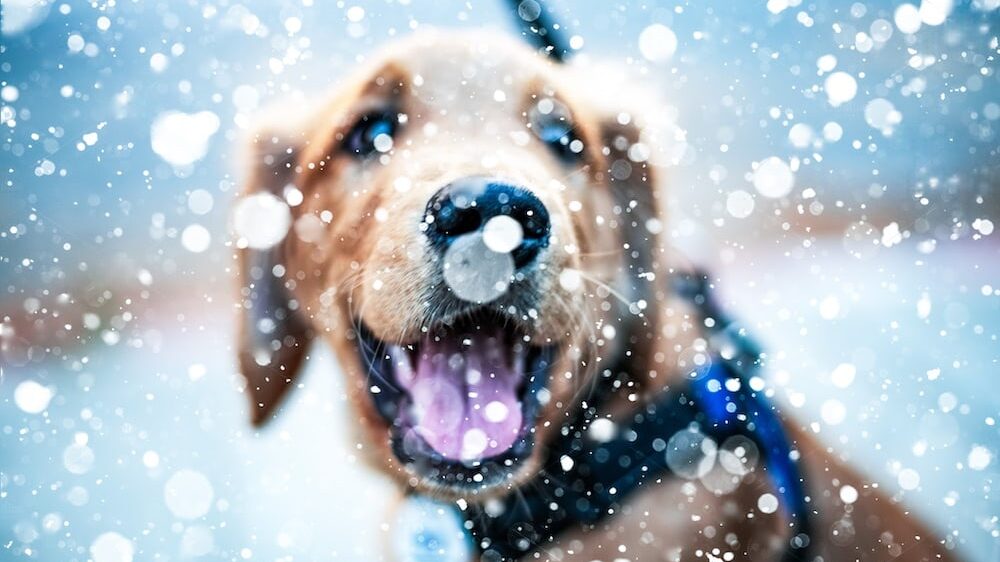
832,166
182,138
773,178
261,220
32,397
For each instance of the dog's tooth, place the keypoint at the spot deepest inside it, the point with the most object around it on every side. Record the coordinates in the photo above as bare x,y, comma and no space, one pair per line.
402,363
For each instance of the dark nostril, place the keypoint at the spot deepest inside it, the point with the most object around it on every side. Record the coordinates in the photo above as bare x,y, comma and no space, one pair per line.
467,205
454,214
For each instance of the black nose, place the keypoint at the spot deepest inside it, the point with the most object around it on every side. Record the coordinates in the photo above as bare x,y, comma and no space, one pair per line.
466,205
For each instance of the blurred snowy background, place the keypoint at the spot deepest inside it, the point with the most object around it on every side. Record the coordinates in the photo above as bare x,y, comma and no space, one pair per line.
839,173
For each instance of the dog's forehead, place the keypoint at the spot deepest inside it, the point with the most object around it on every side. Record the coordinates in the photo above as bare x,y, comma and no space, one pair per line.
482,75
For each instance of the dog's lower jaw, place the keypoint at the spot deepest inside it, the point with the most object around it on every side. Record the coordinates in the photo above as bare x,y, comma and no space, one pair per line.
469,495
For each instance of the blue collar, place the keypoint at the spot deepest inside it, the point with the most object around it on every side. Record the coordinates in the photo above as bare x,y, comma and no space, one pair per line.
679,434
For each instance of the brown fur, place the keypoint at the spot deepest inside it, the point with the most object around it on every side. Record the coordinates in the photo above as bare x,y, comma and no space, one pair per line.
456,127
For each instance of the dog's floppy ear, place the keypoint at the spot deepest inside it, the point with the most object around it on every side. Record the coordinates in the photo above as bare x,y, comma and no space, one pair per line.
273,334
632,178
631,174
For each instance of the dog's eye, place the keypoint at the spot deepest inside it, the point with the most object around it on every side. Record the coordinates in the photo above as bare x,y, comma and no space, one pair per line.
552,122
372,133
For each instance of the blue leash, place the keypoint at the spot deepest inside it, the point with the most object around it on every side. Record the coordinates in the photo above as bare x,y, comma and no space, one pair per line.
746,412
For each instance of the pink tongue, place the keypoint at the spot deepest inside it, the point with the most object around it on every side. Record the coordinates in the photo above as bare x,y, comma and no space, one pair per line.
464,395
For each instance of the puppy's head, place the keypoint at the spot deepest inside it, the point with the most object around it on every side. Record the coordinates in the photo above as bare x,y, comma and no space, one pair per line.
476,242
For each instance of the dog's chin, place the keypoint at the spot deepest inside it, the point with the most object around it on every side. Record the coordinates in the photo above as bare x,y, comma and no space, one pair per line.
461,402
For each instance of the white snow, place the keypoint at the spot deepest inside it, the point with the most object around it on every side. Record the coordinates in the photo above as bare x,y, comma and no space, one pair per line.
22,15
181,138
907,18
158,62
566,463
195,238
739,204
196,541
908,479
800,135
880,117
924,306
881,114
9,93
843,375
293,25
78,496
75,43
496,411
767,503
355,14
78,458
691,454
474,272
111,547
983,226
188,494
863,42
261,220
833,411
947,402
848,494
200,202
881,30
773,178
402,184
151,459
293,197
32,397
832,131
935,12
570,279
601,430
979,458
382,142
778,6
502,234
829,307
657,43
891,235
826,63
196,371
52,522
840,88
474,442
245,98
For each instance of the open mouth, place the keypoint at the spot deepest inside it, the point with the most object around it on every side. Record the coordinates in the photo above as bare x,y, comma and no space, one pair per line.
461,402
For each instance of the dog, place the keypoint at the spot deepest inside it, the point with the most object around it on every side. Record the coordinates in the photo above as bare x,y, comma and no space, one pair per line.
477,234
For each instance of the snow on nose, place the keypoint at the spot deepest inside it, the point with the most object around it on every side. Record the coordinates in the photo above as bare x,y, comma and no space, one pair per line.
474,272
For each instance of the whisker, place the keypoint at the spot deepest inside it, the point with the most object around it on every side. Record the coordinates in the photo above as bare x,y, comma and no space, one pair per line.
609,253
611,290
584,168
355,320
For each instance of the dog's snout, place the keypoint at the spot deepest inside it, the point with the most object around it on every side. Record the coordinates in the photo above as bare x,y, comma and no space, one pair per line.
467,205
